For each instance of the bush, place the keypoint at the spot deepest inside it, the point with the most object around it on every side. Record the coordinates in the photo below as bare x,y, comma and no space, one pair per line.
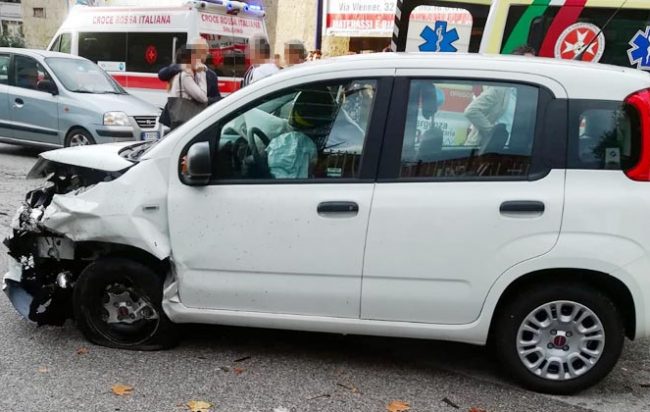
11,41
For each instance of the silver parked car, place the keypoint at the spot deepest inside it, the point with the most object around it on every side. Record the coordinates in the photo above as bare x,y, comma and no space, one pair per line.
62,100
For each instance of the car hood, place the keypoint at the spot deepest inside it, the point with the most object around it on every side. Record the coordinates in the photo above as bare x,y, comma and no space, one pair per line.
104,157
129,104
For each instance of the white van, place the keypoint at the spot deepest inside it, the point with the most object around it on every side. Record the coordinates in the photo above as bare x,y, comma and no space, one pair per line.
133,43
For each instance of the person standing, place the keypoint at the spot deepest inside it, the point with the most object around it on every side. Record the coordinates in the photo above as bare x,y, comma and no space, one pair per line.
262,64
201,49
294,53
188,95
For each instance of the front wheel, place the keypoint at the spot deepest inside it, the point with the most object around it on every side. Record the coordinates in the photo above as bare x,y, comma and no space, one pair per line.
558,339
117,303
78,137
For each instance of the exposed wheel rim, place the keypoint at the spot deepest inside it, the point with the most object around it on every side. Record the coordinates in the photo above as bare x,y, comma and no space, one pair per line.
79,139
560,340
124,315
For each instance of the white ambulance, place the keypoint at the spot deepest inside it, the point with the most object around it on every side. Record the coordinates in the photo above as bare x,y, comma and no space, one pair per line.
133,42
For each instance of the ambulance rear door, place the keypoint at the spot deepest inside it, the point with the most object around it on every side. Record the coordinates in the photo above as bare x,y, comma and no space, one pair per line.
440,25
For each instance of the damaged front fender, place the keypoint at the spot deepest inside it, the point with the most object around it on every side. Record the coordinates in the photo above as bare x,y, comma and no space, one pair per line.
80,206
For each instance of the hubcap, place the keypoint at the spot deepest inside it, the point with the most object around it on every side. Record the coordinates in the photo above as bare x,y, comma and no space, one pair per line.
560,340
123,306
79,139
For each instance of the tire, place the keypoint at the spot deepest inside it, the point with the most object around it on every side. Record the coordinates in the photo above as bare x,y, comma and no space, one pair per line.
78,137
558,364
105,297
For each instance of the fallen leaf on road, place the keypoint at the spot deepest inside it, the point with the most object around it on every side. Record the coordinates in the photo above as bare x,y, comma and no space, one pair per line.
398,406
476,410
238,371
82,351
199,406
122,390
43,369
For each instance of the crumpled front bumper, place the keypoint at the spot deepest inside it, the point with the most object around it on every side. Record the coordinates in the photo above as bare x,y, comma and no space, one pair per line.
18,296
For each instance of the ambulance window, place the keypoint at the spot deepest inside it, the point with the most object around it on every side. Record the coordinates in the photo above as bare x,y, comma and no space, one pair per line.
103,47
442,29
150,52
227,55
62,43
66,43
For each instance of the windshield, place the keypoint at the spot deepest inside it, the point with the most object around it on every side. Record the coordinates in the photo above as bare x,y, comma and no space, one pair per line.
83,76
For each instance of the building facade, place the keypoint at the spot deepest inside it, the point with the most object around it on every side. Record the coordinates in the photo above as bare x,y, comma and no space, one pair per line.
11,18
41,19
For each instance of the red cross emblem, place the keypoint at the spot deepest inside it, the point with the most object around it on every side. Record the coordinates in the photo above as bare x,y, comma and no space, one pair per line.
151,54
578,37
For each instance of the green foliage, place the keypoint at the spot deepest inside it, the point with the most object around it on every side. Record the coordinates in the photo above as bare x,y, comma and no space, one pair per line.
11,41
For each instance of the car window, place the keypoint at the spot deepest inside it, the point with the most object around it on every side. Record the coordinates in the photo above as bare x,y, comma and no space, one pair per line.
82,76
28,73
604,135
468,129
309,132
4,68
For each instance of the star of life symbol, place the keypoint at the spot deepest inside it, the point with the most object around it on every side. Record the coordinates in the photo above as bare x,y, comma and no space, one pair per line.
439,39
579,39
639,53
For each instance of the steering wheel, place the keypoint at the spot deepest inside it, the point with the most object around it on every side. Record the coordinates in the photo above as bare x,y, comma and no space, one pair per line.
252,145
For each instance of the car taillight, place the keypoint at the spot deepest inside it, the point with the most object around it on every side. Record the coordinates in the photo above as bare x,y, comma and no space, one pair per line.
641,103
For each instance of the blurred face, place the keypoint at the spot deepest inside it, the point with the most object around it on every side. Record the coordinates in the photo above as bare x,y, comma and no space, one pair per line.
292,56
200,51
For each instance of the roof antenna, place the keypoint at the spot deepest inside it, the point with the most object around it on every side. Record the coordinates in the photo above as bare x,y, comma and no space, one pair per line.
588,45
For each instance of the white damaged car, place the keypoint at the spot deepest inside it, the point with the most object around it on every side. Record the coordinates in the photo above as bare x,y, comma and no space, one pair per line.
327,198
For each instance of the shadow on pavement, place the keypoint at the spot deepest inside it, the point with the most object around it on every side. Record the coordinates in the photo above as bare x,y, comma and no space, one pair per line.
367,350
23,151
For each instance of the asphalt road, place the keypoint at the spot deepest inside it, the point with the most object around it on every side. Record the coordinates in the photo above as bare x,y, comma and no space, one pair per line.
239,369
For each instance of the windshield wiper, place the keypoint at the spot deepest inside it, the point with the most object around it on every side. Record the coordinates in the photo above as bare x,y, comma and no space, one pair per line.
82,91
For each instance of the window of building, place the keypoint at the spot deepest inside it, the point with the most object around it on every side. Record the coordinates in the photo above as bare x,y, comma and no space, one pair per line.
468,129
39,12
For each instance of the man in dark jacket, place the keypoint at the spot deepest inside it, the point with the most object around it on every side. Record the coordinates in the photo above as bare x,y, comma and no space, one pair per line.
201,48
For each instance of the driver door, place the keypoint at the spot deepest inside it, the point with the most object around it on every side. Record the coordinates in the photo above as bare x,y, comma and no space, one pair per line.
281,227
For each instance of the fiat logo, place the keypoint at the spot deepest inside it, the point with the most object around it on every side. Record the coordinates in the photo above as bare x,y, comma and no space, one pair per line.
559,341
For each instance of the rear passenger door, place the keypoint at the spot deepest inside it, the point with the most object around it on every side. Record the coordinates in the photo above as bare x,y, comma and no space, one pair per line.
458,202
5,118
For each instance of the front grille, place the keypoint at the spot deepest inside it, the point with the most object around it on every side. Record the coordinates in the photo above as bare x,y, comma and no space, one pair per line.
145,122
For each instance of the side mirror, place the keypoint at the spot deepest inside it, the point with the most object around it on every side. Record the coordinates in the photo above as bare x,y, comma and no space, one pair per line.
199,164
47,86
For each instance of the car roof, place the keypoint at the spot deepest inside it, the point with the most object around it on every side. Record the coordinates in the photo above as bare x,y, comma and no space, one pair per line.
37,53
582,80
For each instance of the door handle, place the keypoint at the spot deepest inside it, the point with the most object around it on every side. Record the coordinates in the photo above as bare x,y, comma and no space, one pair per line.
326,208
528,207
19,102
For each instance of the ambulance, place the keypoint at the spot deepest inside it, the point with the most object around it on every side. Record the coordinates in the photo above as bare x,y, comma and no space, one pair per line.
606,31
133,42
614,32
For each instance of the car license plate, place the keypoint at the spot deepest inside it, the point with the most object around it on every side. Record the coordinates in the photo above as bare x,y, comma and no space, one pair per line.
150,136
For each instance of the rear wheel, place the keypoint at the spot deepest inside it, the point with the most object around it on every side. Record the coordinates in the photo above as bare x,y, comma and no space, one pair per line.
559,338
117,303
78,137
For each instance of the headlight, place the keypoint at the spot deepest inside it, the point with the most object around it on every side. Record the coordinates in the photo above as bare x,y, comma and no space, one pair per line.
116,119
